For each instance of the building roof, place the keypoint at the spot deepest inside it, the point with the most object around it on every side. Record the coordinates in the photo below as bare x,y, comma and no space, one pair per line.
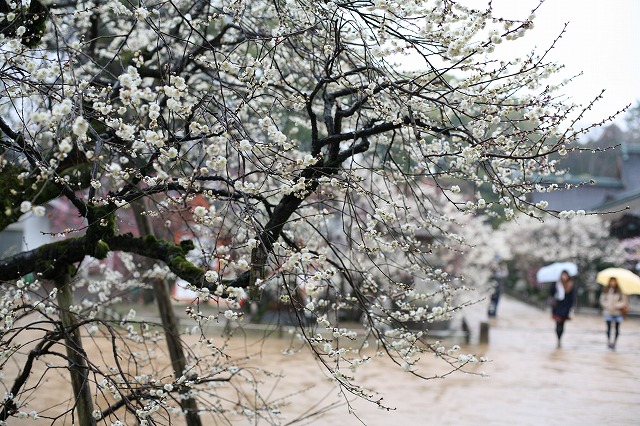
625,203
600,181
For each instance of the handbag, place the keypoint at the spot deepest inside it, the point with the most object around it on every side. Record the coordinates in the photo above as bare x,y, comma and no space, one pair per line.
624,310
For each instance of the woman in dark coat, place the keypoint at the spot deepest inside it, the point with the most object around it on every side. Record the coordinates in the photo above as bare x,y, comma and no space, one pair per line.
563,294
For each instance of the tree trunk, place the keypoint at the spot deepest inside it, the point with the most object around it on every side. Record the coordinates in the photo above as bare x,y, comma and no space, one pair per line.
176,353
77,357
170,324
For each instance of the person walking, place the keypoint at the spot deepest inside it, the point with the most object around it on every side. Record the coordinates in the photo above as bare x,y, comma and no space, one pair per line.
563,294
500,275
613,302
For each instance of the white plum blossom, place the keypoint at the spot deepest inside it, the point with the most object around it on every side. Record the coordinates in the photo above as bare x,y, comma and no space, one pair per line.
244,145
80,126
62,109
231,315
154,111
172,152
65,146
211,276
200,211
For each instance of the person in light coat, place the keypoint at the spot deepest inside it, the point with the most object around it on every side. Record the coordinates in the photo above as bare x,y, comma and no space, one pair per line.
613,301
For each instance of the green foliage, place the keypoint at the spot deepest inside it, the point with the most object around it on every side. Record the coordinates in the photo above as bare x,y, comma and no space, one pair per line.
48,263
14,189
102,221
9,194
101,250
34,19
185,269
632,120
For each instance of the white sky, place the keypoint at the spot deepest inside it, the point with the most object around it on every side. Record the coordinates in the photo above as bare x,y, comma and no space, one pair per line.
602,40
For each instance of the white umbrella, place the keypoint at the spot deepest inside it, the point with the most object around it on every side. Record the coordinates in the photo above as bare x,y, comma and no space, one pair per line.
551,273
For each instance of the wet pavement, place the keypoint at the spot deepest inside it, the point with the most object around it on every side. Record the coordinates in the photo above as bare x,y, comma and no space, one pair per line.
530,381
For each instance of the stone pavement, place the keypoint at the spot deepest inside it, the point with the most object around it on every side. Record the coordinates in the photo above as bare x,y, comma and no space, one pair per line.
583,383
529,382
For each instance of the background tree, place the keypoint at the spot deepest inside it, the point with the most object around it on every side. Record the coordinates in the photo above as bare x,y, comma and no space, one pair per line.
578,238
282,139
632,121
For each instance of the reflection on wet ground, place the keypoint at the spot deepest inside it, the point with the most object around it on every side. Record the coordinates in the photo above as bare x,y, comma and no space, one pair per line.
530,381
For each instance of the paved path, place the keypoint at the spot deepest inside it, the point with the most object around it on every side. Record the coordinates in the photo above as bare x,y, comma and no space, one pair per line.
584,383
530,381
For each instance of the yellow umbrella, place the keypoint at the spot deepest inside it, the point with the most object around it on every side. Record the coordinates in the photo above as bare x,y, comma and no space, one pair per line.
628,282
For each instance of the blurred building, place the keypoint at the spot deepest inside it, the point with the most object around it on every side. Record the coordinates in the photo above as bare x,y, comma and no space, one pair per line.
28,233
611,187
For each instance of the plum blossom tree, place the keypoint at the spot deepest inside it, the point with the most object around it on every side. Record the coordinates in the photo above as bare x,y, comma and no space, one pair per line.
286,139
631,247
579,238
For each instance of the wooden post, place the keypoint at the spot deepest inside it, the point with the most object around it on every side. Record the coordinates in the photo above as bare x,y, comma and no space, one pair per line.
484,333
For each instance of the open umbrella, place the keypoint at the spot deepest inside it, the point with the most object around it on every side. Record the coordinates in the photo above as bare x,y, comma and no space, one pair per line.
551,273
628,282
